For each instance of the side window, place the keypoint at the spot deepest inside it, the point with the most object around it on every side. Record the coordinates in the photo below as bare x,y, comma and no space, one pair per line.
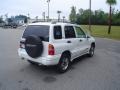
80,33
57,32
69,32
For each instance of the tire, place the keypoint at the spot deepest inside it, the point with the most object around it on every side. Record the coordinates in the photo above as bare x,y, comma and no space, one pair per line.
33,46
91,51
64,63
33,63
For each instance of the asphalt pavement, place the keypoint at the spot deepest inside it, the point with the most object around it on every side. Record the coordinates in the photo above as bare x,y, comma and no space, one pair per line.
101,72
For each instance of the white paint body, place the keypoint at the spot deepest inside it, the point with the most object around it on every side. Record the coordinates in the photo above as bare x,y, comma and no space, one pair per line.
76,47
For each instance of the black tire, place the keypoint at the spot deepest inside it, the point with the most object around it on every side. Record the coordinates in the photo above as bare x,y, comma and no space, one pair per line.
33,46
91,51
64,63
33,63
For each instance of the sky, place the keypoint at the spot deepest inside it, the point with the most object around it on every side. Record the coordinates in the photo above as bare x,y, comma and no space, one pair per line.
37,7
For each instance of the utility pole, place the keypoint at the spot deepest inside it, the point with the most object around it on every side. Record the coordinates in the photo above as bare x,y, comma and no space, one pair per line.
47,18
63,18
90,16
48,1
36,18
43,16
28,18
59,12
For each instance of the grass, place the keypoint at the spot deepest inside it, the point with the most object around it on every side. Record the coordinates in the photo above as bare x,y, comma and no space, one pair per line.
101,31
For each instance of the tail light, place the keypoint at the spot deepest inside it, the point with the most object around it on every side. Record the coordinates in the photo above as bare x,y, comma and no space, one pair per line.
51,50
22,44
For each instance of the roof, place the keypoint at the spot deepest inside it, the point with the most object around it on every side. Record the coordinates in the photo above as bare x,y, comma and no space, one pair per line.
51,23
40,23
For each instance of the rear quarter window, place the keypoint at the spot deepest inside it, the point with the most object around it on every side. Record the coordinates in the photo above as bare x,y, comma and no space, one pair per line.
57,32
41,31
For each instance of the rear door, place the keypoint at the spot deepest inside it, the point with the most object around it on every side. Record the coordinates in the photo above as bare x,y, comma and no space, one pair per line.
41,31
70,39
83,44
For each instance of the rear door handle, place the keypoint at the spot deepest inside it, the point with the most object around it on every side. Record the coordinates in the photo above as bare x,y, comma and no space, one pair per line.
80,40
68,41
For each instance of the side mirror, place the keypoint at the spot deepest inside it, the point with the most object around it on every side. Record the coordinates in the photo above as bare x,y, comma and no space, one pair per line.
88,36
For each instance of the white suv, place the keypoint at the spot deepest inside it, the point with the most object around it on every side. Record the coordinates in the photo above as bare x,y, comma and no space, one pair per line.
48,43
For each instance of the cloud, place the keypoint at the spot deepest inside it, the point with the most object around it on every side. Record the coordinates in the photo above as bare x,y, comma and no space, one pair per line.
36,7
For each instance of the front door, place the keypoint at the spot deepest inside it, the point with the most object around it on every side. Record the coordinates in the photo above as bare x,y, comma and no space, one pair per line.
70,38
82,40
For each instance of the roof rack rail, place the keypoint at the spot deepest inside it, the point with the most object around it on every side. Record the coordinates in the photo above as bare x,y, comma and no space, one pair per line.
61,21
54,21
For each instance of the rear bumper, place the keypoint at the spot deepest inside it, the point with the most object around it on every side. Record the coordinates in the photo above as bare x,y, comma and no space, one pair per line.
48,60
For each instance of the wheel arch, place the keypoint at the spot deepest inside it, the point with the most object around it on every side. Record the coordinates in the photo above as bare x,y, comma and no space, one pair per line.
67,52
93,44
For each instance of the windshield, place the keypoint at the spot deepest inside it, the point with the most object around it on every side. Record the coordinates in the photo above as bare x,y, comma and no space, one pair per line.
41,31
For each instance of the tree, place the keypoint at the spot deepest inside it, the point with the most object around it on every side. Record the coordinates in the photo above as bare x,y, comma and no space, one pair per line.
116,18
72,15
83,17
81,11
110,3
1,19
26,20
98,17
36,18
23,17
9,20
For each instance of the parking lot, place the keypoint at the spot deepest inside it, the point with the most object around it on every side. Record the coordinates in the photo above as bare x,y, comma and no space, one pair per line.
101,72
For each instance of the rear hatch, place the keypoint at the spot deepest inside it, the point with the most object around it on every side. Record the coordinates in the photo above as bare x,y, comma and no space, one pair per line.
41,31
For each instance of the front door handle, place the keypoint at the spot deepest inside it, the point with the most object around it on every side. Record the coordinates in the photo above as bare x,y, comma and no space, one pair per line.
68,41
80,40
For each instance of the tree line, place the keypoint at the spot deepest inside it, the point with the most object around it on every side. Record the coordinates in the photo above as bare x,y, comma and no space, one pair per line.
98,17
13,18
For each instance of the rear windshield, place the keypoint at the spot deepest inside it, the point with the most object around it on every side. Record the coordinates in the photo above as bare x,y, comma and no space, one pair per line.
41,31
